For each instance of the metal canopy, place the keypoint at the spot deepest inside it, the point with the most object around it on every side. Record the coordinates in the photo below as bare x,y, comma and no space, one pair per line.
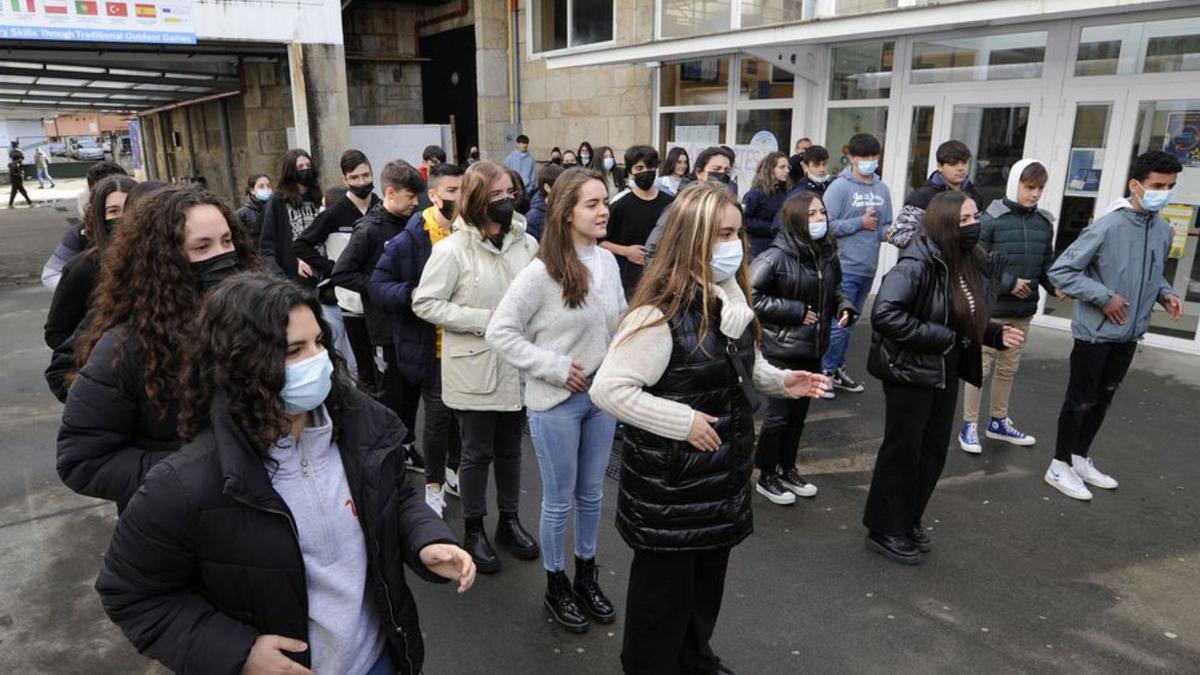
97,78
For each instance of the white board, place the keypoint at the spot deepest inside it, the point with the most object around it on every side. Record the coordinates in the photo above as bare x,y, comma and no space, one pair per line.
384,142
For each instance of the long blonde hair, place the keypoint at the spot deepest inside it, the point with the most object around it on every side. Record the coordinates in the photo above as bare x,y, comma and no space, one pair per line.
681,263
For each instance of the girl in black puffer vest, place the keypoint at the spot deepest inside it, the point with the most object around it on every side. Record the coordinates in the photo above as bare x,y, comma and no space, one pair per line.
797,296
280,532
681,374
930,318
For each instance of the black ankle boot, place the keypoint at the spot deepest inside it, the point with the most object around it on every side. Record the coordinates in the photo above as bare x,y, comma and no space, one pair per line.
512,536
587,591
561,604
476,543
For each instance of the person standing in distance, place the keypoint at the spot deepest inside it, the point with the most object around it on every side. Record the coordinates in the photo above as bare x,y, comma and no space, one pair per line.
521,161
294,206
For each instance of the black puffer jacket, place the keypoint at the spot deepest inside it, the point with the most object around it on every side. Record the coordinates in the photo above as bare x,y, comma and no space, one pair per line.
912,319
790,279
251,215
673,497
111,434
1026,238
206,557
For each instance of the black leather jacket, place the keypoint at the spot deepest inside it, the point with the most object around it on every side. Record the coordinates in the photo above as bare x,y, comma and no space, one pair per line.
790,279
673,497
912,319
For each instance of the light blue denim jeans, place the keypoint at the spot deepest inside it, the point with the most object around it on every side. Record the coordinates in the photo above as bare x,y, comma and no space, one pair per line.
573,441
341,342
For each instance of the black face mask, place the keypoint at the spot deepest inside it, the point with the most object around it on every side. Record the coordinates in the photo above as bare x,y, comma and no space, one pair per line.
556,160
718,177
362,191
306,177
570,164
968,237
474,155
644,180
216,269
501,212
447,209
110,225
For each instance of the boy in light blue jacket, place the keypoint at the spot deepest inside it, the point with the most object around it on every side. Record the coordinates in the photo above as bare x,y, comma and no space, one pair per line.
859,208
1114,271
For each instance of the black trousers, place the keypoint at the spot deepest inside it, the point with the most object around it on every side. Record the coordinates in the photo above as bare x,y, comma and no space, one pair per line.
360,344
670,612
397,393
918,422
441,437
1097,369
18,186
779,438
490,437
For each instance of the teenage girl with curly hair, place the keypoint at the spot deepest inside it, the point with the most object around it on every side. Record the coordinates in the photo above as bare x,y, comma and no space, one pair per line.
121,409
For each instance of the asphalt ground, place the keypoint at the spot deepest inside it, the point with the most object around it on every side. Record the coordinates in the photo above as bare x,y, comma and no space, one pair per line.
1021,579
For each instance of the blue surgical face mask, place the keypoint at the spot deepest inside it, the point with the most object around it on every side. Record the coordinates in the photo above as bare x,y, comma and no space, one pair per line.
1155,200
308,383
609,163
727,260
263,195
867,166
817,229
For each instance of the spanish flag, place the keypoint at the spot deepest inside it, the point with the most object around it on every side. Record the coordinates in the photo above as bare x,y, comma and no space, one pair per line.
145,11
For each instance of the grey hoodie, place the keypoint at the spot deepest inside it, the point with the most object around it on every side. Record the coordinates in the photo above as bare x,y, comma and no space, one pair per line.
1124,251
845,203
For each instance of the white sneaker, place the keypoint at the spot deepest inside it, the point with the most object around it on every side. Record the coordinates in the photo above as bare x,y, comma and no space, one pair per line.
451,482
435,498
1063,477
1086,469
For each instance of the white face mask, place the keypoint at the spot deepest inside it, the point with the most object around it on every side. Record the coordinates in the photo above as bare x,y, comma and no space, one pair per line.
726,260
817,229
307,383
609,163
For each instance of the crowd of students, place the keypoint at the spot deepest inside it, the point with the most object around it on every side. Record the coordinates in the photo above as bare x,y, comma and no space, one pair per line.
249,401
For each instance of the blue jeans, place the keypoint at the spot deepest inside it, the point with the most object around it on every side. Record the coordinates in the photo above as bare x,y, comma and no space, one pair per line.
43,176
383,665
573,441
855,288
341,342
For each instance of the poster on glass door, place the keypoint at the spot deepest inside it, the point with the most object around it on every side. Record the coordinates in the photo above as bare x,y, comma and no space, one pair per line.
1183,137
127,21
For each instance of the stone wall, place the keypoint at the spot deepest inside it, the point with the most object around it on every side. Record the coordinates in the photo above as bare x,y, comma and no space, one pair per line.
382,70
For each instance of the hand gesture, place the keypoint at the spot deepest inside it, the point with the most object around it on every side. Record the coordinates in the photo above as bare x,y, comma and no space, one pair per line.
304,270
1173,305
870,220
801,384
1021,289
810,317
1114,309
1059,295
266,656
1013,337
576,381
844,318
703,436
450,562
636,254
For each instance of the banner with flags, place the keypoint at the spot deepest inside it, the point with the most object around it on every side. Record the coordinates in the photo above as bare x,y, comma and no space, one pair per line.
145,21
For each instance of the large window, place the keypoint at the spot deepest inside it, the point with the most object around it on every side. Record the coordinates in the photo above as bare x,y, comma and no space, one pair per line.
562,24
990,57
694,17
845,122
771,128
701,82
1148,47
707,128
760,80
862,71
767,12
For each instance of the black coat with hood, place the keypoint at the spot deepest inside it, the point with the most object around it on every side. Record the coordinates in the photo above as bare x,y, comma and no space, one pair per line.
206,557
913,320
251,215
790,279
356,264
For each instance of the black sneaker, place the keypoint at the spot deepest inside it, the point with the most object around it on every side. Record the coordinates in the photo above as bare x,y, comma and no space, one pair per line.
898,549
919,539
770,487
840,379
413,461
793,481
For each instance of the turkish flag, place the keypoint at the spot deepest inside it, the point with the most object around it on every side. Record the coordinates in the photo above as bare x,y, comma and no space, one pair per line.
117,9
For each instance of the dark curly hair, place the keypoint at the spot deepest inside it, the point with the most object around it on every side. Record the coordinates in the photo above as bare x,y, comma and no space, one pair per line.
239,351
147,282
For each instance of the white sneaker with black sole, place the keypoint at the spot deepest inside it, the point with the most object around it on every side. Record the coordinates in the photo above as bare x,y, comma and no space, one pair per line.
1086,469
435,498
451,482
1065,480
841,379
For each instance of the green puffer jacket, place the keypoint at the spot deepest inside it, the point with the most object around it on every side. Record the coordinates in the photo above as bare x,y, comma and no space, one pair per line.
1025,237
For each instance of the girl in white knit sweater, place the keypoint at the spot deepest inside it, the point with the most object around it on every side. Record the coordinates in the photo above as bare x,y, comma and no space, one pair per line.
554,324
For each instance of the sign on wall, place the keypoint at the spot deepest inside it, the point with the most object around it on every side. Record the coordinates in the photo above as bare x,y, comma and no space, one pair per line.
129,21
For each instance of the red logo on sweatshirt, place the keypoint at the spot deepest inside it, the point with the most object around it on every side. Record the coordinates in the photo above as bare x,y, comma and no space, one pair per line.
353,508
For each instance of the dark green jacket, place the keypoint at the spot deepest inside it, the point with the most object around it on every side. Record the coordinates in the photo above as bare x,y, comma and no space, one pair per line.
1025,237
